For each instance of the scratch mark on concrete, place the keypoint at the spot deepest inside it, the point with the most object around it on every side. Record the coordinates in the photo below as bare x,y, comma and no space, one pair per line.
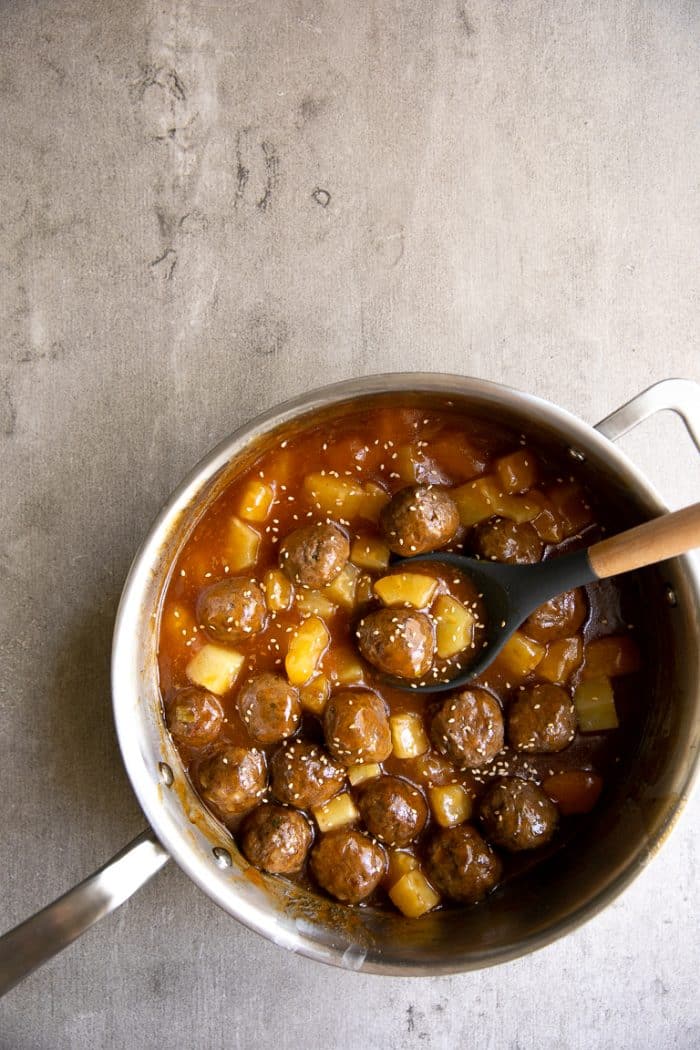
242,172
165,264
8,412
467,25
166,79
271,175
321,197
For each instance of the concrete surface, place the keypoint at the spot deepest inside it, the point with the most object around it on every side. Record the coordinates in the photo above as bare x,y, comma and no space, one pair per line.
207,207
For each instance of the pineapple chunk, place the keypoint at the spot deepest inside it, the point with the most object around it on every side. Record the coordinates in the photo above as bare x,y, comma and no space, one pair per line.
561,660
370,553
406,588
242,546
313,603
361,772
595,705
455,626
408,736
342,590
481,499
611,656
400,864
451,804
407,464
572,507
282,466
345,667
336,813
575,791
520,655
546,523
313,697
306,647
517,508
374,499
279,590
176,625
256,501
477,500
215,668
339,497
364,592
413,895
517,472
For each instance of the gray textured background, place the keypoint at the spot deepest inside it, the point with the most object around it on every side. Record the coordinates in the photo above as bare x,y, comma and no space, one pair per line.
207,207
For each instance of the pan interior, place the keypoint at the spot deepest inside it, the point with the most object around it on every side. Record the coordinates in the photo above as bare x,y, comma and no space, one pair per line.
580,877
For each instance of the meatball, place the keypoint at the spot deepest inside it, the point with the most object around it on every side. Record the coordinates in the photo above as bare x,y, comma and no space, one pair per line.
393,810
418,519
468,728
233,780
232,610
461,865
348,865
560,617
499,539
270,708
356,727
315,555
399,642
541,718
516,814
194,716
276,839
304,775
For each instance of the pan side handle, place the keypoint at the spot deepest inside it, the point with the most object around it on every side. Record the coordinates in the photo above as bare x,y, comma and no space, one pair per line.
53,928
681,396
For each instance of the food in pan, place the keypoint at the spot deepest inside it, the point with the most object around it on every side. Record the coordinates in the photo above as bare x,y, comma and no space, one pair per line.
287,608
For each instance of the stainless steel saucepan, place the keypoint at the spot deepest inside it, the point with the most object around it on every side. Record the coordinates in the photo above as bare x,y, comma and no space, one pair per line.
563,892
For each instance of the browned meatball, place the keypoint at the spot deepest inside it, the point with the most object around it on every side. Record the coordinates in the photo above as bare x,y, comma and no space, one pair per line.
499,539
303,775
194,716
468,728
516,814
541,718
233,780
270,708
393,810
276,839
356,727
461,865
348,865
418,519
232,610
399,642
560,617
315,555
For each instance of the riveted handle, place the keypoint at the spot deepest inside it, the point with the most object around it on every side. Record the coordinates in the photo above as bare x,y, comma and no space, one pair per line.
654,541
681,396
52,929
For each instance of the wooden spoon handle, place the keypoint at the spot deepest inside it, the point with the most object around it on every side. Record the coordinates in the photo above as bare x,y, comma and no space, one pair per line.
656,540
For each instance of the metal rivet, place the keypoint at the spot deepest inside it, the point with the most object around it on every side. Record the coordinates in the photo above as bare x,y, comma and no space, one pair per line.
166,773
222,857
575,453
671,595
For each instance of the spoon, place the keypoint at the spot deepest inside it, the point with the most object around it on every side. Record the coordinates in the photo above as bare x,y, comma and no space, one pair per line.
512,592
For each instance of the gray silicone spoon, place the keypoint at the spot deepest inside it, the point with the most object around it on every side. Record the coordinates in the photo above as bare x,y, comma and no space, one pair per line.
512,592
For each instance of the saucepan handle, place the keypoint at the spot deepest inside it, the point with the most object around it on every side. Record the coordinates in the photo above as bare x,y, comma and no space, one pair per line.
681,396
52,929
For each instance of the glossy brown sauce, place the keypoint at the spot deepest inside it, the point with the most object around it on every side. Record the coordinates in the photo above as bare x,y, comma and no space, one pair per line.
368,446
